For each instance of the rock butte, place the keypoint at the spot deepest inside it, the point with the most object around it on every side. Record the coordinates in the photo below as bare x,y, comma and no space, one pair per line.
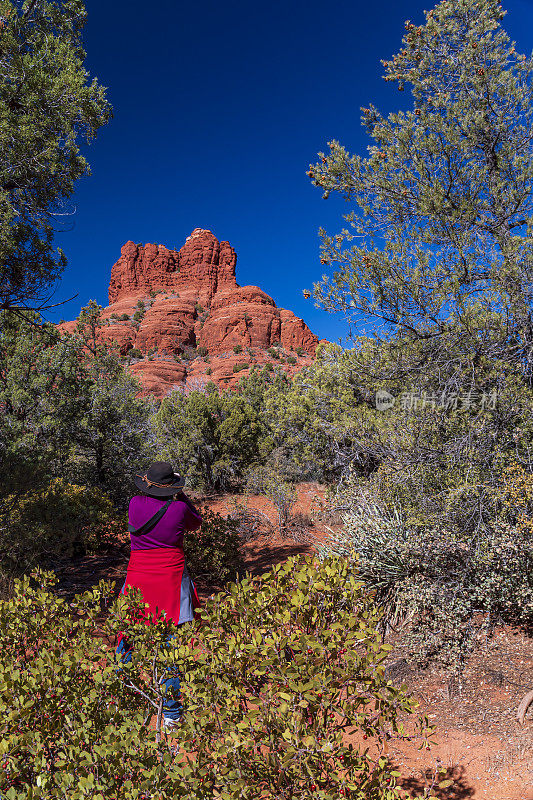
192,300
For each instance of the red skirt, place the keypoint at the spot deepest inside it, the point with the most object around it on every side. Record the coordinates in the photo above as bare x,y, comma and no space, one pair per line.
161,574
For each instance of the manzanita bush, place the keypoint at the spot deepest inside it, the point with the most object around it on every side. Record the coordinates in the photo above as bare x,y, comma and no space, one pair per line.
279,669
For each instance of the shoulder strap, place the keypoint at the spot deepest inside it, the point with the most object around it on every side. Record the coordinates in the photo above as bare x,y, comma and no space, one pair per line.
151,523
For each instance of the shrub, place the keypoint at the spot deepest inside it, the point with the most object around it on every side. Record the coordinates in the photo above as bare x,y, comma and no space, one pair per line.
152,293
135,353
124,317
452,586
242,365
208,371
202,351
237,348
212,552
299,351
63,699
261,681
140,305
268,367
252,523
114,316
106,533
63,520
138,316
268,481
273,352
291,360
199,308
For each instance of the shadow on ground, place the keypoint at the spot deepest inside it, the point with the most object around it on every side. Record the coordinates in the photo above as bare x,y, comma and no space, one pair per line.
261,559
460,789
82,574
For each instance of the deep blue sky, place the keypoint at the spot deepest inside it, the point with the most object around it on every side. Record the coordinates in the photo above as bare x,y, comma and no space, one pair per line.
219,108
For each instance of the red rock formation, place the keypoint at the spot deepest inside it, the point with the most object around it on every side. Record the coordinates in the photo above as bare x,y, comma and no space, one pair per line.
185,314
203,265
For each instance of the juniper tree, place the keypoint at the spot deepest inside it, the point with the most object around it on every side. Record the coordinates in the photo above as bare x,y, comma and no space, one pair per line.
439,246
48,104
67,411
216,434
437,252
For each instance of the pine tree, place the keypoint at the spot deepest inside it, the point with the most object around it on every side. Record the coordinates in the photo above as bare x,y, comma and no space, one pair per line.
48,104
439,246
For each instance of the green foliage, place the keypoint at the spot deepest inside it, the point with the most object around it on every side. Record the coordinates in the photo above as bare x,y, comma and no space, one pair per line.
213,552
138,315
277,731
124,317
40,377
215,435
188,353
452,584
299,351
63,702
208,371
199,308
61,519
134,352
317,418
237,348
436,249
291,360
69,410
112,433
240,366
202,351
439,260
49,105
273,352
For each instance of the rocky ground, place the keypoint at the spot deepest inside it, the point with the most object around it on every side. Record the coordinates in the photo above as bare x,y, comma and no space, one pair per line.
479,742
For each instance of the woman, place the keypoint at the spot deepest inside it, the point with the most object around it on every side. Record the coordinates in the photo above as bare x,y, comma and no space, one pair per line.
157,524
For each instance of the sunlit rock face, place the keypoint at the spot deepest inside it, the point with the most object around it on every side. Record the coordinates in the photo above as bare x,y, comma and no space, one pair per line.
188,322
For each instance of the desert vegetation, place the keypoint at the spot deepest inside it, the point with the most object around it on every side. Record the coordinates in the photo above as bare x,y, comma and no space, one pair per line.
420,431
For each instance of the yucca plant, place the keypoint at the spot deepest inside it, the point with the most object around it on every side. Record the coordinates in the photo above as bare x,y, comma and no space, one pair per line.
380,547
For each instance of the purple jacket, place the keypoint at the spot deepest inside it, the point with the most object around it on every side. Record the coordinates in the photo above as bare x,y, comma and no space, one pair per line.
180,516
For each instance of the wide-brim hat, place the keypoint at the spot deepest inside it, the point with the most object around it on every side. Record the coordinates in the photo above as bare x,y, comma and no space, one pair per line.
160,480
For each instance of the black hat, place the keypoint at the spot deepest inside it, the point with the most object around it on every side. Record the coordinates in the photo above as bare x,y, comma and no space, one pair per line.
160,480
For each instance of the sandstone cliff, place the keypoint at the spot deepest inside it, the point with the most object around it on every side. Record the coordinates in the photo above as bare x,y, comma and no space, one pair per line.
180,318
